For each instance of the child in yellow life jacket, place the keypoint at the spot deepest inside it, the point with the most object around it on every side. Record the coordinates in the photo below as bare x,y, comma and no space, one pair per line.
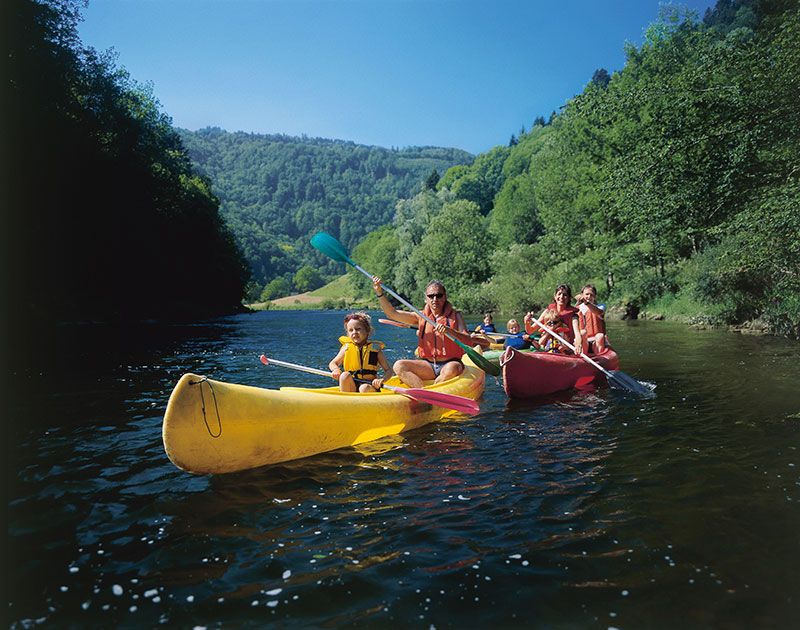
356,364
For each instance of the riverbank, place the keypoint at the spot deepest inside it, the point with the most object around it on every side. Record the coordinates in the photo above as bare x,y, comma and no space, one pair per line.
340,295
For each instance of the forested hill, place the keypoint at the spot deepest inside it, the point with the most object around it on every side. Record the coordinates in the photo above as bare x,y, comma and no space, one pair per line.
672,184
276,190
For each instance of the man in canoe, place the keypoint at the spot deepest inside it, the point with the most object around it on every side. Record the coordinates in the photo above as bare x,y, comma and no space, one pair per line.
568,314
440,358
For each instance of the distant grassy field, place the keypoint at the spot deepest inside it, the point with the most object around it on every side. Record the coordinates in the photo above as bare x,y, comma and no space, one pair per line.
337,294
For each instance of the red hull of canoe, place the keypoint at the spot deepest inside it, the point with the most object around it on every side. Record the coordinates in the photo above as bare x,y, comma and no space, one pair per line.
526,375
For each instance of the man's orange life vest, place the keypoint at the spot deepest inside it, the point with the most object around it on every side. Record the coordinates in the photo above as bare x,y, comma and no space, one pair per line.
433,346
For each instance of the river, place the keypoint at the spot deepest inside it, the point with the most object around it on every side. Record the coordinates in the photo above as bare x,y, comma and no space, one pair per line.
589,509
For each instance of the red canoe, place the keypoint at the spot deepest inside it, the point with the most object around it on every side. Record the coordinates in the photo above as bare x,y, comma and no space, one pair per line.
529,374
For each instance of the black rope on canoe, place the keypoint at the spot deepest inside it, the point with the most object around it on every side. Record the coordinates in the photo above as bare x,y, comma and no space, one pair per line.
204,379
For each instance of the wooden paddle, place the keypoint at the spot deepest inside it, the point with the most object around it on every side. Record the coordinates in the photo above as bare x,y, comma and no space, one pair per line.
332,248
438,399
622,379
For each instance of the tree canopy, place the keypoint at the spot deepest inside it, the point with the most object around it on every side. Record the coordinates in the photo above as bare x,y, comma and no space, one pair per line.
107,219
671,183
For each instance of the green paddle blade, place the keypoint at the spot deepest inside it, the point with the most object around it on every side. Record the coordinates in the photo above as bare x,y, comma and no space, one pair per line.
479,360
332,248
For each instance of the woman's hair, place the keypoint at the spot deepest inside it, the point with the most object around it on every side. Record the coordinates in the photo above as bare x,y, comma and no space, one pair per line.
589,286
360,316
566,288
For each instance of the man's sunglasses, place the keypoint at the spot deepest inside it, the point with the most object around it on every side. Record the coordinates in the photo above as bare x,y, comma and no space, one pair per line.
435,295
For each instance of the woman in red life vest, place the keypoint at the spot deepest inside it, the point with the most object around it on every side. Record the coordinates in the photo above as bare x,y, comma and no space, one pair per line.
591,321
439,358
568,314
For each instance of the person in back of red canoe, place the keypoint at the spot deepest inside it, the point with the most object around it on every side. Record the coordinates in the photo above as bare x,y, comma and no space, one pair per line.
439,358
591,321
359,357
568,314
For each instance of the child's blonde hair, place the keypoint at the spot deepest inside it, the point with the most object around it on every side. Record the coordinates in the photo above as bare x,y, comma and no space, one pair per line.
551,318
362,317
511,321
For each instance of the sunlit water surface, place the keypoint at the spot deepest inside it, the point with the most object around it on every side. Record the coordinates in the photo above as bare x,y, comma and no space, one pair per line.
588,509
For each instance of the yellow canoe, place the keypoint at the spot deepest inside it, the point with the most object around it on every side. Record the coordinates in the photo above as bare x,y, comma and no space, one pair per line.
216,427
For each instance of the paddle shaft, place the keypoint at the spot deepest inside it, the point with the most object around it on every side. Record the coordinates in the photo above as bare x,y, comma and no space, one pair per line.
391,322
301,368
440,399
310,370
463,346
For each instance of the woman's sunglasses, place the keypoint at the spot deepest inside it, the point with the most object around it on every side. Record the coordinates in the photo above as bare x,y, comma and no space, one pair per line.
435,295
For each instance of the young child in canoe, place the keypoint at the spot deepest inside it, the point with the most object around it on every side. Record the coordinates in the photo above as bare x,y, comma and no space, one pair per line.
487,326
516,339
547,342
357,362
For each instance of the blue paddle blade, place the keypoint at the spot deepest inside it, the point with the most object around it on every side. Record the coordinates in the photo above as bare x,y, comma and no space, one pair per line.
329,246
631,384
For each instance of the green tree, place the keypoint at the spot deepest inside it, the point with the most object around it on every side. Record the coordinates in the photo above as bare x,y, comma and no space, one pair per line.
307,279
455,249
276,288
601,78
481,181
276,191
378,253
432,180
412,218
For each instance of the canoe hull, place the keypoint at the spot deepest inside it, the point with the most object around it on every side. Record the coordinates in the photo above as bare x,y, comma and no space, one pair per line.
526,375
216,427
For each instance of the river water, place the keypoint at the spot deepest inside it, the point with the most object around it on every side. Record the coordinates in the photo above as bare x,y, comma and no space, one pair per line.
584,510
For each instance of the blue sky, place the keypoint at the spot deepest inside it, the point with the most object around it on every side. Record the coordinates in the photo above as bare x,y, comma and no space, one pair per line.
455,73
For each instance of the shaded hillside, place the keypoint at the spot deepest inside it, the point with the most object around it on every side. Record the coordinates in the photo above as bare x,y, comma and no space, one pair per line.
103,216
277,190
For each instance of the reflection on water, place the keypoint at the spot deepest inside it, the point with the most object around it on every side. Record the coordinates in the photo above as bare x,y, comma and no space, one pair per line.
588,509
